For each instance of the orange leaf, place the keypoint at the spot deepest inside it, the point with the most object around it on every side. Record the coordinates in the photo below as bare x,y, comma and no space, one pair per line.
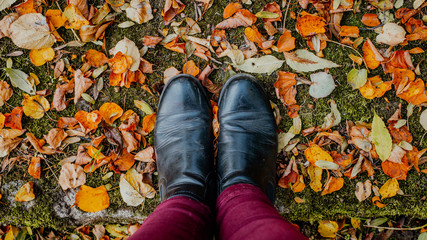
332,185
356,59
35,167
75,18
25,7
175,46
190,68
286,42
254,35
341,159
55,17
151,41
35,106
125,161
414,155
38,145
231,9
148,122
120,63
349,31
13,119
171,9
377,202
370,20
81,84
396,170
375,88
309,25
399,134
88,121
55,137
116,3
299,186
416,50
372,57
110,112
415,92
25,193
95,58
420,33
286,91
242,18
40,56
92,199
274,8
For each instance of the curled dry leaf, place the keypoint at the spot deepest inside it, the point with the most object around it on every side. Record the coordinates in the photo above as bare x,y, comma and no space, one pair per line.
190,68
81,84
375,88
241,18
58,101
40,56
392,34
128,47
55,137
88,121
81,5
286,91
171,9
31,31
34,169
133,189
309,25
145,155
95,58
5,92
110,112
25,193
131,141
71,176
139,11
305,61
54,17
35,106
363,190
38,145
92,199
377,202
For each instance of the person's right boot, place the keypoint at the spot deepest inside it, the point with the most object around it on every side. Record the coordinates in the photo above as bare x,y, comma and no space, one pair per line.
247,141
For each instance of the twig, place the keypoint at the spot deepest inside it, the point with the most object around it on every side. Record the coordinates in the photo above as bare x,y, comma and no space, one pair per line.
358,53
402,229
72,30
284,17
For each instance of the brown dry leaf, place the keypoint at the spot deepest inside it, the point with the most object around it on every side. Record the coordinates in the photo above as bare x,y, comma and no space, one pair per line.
58,101
88,121
95,58
8,144
75,18
242,18
2,120
356,59
372,56
271,30
92,199
396,170
151,41
38,145
139,11
286,91
360,138
363,190
190,68
231,9
11,133
145,155
399,59
25,193
5,92
81,5
55,137
81,84
35,106
148,122
332,185
40,56
116,3
67,122
169,73
370,20
390,188
130,121
13,119
71,176
420,33
315,174
54,16
110,112
414,156
375,88
5,24
35,167
309,25
377,202
171,9
131,143
286,42
391,34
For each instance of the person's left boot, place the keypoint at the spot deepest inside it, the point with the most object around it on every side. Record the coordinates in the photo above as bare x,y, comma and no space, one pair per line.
183,141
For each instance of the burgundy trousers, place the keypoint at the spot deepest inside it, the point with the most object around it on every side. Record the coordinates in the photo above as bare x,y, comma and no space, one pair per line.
243,212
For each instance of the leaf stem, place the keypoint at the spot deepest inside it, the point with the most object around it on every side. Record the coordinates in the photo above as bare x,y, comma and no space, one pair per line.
402,229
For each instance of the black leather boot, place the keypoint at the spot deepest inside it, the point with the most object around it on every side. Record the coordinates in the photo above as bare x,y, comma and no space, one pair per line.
247,141
183,141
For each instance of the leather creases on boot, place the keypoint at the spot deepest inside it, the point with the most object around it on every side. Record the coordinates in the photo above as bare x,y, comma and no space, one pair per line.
183,141
247,141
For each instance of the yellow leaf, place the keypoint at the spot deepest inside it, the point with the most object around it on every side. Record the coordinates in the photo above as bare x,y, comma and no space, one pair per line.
299,200
35,106
334,184
328,228
92,199
315,153
355,222
390,188
40,56
12,233
315,174
25,193
75,18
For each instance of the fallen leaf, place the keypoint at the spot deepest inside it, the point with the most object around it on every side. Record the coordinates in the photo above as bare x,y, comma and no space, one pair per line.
265,64
151,41
143,106
304,61
148,122
139,11
95,58
145,155
377,202
286,42
59,102
31,31
333,119
55,137
88,121
270,13
169,73
418,3
372,56
131,141
309,25
34,169
286,91
190,68
6,3
81,84
110,112
360,138
370,19
25,193
55,17
254,35
11,133
381,138
328,229
35,106
241,18
315,153
375,88
92,199
389,189
391,34
116,3
414,92
231,9
71,176
75,19
322,85
19,79
315,174
13,119
349,31
40,56
398,171
5,92
171,9
423,119
133,189
299,185
332,185
363,190
128,47
7,145
38,145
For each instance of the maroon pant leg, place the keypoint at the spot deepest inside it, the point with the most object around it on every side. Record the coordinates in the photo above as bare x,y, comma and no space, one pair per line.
177,218
244,212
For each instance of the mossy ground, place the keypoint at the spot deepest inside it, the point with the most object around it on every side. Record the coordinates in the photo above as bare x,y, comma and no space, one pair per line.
351,104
